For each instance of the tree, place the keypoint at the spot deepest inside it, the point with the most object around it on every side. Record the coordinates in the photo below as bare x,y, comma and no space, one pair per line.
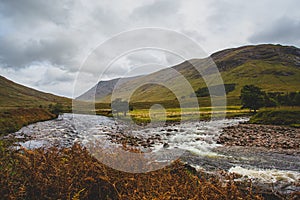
120,106
296,100
56,108
269,101
252,97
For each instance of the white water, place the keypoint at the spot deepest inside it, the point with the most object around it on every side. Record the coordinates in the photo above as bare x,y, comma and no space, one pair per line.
267,175
197,138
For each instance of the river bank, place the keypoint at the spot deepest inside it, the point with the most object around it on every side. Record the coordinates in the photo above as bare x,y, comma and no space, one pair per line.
13,119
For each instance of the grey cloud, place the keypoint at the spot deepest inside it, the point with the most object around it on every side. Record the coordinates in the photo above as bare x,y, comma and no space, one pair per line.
144,57
34,12
108,22
63,32
19,53
54,76
157,11
284,30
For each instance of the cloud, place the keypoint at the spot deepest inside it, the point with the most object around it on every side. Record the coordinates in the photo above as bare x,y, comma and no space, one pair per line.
157,11
44,77
18,53
55,37
284,30
32,13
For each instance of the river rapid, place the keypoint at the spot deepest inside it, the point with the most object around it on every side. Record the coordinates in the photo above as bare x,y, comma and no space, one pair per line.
197,140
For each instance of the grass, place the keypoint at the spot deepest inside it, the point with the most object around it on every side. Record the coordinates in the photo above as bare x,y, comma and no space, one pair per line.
278,116
12,120
184,114
72,173
20,105
13,95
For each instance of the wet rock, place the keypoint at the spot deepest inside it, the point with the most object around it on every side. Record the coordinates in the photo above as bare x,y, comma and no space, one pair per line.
168,134
166,145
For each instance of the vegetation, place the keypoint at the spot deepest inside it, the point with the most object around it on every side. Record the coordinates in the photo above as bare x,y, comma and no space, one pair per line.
252,97
72,173
282,99
12,120
118,105
13,95
20,106
56,109
214,90
279,116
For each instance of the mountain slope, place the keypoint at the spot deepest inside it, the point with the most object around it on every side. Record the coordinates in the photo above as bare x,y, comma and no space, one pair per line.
16,95
20,105
271,67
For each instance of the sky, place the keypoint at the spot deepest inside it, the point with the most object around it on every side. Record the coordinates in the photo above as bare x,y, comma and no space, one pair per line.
44,44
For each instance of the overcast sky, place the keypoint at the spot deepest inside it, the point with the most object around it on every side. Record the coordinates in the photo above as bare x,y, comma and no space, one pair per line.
44,43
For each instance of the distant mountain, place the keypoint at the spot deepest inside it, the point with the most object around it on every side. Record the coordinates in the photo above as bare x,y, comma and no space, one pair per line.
102,89
16,95
271,67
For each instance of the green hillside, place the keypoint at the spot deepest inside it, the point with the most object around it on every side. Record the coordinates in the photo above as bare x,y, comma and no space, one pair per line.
274,68
14,95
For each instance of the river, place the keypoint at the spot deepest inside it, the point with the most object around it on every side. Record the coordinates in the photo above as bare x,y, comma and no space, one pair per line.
194,142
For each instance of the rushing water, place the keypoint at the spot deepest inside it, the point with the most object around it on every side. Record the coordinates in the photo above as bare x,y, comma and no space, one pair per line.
198,139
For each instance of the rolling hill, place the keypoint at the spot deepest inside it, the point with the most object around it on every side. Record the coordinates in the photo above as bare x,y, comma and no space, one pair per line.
274,68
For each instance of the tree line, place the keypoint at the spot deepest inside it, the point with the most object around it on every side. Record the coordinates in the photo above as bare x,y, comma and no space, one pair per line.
253,97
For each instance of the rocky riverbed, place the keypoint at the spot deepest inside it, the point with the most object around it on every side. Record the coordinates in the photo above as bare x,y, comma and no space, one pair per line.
270,137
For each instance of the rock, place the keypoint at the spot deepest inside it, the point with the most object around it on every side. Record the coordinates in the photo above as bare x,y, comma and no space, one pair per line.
166,145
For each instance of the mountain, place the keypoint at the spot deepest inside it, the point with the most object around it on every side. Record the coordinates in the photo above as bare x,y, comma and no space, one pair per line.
102,89
16,95
274,68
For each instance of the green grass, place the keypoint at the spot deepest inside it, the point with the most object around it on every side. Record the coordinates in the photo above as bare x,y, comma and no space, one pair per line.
280,116
13,95
184,114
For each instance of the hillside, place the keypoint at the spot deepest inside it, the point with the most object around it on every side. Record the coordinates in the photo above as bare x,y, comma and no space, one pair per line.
20,105
15,95
102,89
271,67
